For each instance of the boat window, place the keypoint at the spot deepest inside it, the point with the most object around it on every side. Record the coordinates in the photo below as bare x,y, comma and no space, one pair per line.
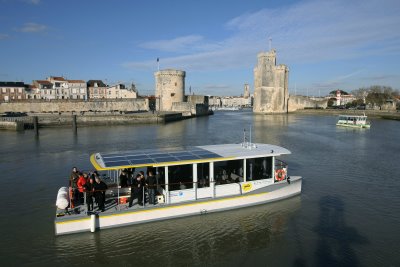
259,168
203,174
230,171
180,177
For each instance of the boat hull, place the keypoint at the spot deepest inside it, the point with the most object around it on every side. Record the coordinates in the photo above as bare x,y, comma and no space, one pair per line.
263,195
354,125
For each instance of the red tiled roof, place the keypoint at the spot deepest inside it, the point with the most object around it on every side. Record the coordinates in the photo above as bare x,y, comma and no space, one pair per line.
43,82
57,78
76,81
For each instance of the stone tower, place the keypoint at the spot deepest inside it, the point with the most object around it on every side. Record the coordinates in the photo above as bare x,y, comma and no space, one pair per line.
246,91
170,88
270,84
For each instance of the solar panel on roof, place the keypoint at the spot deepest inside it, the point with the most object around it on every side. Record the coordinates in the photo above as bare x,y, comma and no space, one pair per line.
113,157
141,161
137,157
117,163
165,159
180,154
189,157
208,156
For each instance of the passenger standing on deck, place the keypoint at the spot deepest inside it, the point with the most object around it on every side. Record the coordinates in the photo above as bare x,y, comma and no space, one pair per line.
144,182
81,186
151,182
136,190
89,187
100,193
73,179
123,179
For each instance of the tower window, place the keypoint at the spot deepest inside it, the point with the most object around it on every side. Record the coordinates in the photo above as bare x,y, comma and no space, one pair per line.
176,84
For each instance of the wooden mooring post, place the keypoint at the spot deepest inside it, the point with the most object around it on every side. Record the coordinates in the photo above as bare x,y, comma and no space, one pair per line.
74,125
36,125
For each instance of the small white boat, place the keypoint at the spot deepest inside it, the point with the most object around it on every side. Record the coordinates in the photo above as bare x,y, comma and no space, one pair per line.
353,121
191,181
225,108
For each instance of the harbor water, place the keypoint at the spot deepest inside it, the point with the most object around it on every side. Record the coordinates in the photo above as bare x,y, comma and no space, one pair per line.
347,215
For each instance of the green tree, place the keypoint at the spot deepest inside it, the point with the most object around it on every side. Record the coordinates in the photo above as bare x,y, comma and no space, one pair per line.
378,95
331,101
341,92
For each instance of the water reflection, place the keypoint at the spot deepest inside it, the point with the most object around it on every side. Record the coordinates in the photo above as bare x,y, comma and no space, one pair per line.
335,238
200,240
268,128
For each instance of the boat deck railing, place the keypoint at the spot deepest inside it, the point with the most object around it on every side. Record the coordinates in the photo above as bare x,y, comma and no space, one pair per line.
117,198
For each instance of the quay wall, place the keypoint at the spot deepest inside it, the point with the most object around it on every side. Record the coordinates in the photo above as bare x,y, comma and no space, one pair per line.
61,106
297,102
12,125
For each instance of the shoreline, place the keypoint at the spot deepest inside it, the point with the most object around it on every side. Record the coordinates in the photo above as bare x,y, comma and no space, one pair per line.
383,114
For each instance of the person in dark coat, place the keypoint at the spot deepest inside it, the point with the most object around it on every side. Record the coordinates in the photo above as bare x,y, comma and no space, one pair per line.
100,193
89,187
151,183
137,190
73,179
123,179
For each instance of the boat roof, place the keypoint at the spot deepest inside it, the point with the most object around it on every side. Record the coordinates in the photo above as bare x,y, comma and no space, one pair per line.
179,156
353,116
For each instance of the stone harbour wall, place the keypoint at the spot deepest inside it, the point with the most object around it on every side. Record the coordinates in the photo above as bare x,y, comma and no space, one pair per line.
62,106
297,102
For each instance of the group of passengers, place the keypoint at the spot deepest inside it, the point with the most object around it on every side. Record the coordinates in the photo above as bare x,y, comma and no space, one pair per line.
91,184
139,185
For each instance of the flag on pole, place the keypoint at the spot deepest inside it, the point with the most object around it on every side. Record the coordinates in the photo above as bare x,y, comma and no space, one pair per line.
158,64
158,59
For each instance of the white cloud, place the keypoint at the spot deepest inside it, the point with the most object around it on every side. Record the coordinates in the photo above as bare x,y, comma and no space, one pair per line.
4,36
311,31
32,27
177,44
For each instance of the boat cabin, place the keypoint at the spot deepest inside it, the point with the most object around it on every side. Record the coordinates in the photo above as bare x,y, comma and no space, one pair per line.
353,121
187,174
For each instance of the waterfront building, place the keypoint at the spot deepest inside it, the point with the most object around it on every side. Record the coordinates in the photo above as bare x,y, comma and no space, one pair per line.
32,91
96,89
233,101
12,91
46,89
60,86
77,89
270,84
120,91
342,99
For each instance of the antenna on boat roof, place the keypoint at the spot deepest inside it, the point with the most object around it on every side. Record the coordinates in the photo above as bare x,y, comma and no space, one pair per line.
246,144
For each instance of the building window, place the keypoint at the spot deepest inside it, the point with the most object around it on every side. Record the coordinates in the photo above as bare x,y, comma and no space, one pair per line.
12,90
3,90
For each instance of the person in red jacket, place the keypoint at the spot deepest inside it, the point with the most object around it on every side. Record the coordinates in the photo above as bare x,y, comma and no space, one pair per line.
81,186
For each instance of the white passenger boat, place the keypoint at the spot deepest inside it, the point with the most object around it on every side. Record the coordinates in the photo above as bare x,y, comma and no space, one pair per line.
353,121
190,181
224,108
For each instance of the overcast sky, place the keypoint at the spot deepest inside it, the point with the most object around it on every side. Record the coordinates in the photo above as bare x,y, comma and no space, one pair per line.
327,45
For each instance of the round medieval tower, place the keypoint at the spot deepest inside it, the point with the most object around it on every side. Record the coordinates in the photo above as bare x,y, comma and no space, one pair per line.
170,88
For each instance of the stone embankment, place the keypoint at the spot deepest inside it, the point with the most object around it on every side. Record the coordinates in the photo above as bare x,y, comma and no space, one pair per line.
88,119
384,114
